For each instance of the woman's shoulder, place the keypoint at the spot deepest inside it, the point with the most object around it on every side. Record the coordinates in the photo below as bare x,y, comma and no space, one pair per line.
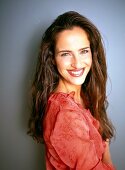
60,106
61,99
59,103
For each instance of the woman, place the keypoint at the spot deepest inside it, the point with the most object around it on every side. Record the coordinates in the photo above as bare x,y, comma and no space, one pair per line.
69,96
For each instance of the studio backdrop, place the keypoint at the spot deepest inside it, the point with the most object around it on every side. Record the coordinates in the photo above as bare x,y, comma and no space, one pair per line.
22,24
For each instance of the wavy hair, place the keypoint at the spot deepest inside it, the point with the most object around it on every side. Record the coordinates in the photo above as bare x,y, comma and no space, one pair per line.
46,77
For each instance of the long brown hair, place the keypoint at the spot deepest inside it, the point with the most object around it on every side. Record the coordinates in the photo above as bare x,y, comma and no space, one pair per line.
46,76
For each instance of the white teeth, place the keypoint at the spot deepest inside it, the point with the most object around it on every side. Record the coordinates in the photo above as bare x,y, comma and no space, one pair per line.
76,72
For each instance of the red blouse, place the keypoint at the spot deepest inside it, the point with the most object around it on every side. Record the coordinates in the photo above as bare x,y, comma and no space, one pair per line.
71,136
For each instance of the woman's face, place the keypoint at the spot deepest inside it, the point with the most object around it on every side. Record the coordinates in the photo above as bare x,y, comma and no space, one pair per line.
73,56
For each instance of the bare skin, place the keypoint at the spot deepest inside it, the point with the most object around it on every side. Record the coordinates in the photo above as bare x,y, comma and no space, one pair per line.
73,59
107,156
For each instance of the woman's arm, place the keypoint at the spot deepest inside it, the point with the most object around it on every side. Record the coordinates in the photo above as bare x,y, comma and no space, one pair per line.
107,156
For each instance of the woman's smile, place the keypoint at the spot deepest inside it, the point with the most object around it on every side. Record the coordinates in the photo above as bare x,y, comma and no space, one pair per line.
76,72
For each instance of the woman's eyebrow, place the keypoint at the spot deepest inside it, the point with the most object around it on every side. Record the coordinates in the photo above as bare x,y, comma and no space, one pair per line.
83,48
61,51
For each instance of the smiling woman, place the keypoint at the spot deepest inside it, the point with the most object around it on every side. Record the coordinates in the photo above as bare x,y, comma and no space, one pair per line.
69,96
73,59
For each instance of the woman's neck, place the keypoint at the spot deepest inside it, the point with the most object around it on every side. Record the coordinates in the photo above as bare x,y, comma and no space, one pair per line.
67,88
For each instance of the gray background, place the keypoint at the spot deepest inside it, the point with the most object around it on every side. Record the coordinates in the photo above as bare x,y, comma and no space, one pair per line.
22,23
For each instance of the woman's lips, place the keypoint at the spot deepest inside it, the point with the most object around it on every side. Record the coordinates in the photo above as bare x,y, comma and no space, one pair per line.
76,73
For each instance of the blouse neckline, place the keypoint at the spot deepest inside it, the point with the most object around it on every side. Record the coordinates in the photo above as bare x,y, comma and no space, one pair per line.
69,95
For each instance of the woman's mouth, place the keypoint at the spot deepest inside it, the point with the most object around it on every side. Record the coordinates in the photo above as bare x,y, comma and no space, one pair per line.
76,73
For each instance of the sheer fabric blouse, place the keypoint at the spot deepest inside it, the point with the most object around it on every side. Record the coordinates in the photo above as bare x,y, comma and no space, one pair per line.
71,136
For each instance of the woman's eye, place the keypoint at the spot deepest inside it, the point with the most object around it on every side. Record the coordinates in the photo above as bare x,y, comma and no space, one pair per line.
84,51
65,54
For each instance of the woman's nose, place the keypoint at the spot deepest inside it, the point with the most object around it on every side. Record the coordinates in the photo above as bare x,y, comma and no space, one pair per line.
76,61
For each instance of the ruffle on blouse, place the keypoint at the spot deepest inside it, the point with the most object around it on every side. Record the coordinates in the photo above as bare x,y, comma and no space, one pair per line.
71,136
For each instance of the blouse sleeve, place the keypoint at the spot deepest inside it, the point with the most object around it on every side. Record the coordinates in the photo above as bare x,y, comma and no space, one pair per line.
70,140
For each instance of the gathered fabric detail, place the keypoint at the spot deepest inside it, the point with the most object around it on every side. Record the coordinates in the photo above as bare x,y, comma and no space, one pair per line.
71,136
